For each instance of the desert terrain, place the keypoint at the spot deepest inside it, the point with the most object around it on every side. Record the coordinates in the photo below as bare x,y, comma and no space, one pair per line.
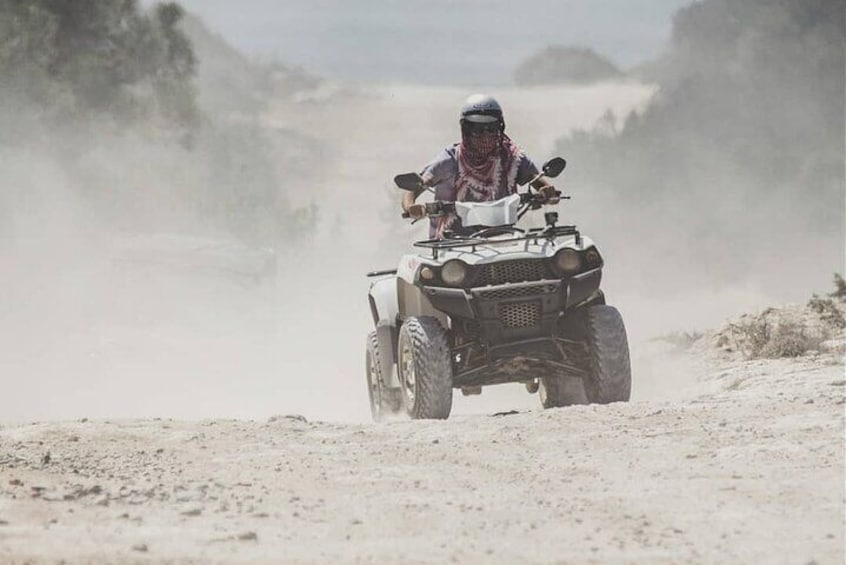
745,465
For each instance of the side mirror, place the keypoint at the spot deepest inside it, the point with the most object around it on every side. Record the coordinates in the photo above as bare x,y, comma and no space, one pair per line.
554,166
409,181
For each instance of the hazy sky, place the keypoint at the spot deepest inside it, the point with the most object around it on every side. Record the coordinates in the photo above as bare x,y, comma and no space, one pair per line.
435,41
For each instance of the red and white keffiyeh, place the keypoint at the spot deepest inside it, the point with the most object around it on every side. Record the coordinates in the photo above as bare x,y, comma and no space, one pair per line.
487,167
487,170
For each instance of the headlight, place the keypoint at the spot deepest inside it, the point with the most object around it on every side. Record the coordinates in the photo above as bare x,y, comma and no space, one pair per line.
454,272
568,262
592,258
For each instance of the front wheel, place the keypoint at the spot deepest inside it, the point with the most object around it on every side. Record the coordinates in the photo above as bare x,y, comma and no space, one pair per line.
609,377
425,368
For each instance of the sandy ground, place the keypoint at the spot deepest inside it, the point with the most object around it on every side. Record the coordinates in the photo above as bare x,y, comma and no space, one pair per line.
746,468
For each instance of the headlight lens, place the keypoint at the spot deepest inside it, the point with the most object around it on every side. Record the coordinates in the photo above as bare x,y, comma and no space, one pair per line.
592,257
454,272
568,261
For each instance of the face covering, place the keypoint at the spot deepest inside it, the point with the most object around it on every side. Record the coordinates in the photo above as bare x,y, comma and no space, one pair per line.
480,146
487,166
487,170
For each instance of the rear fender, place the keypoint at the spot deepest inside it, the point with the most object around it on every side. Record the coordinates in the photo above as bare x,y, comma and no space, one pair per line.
387,336
383,300
384,308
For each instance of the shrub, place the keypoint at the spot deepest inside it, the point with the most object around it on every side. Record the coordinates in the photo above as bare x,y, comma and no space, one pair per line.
788,339
762,337
828,311
839,288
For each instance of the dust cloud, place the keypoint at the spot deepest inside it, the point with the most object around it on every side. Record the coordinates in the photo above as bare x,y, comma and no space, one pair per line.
396,128
91,330
221,273
389,129
138,311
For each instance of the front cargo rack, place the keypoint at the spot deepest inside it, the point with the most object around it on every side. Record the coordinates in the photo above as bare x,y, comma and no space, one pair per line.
549,232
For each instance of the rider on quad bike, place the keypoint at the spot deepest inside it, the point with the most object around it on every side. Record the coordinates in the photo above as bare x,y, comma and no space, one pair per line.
486,165
485,301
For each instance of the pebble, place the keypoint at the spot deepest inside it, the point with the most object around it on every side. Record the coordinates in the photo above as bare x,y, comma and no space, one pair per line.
142,547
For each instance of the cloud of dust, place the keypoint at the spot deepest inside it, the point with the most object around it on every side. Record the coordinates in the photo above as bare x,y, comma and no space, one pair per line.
103,319
134,286
361,229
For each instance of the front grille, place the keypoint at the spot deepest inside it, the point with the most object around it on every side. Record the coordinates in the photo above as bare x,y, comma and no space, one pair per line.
511,272
517,291
520,314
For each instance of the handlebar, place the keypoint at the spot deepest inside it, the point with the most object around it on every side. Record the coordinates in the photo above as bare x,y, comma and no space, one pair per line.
436,208
528,201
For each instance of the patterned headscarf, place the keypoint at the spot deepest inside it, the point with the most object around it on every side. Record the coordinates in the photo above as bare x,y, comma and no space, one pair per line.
487,167
487,170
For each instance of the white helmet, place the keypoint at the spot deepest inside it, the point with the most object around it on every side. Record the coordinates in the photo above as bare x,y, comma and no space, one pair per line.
482,109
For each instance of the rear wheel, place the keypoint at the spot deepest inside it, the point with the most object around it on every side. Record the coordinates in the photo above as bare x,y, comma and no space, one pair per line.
609,377
384,400
425,368
557,391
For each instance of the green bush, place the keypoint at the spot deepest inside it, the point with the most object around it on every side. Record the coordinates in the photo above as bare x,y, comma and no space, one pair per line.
74,59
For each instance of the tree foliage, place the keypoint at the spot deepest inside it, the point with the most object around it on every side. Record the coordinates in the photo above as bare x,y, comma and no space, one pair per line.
83,57
565,65
744,140
102,95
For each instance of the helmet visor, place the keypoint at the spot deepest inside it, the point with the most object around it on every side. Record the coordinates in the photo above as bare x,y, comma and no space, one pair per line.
475,128
481,118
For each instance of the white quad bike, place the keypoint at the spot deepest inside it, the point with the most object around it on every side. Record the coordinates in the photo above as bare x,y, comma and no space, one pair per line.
494,304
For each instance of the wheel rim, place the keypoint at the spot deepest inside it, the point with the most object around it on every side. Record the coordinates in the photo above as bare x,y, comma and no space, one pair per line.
375,388
409,379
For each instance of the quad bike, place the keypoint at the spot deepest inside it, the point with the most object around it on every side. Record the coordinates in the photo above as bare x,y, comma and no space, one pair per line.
494,304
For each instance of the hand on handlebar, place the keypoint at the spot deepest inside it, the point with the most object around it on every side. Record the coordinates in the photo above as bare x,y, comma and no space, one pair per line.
548,195
416,211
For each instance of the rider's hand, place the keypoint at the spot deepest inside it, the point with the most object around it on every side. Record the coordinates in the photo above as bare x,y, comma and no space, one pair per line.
416,211
547,195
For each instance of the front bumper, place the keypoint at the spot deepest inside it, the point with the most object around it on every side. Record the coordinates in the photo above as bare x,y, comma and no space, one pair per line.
514,312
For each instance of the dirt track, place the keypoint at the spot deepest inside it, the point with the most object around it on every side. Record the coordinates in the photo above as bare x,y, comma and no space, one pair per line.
749,472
